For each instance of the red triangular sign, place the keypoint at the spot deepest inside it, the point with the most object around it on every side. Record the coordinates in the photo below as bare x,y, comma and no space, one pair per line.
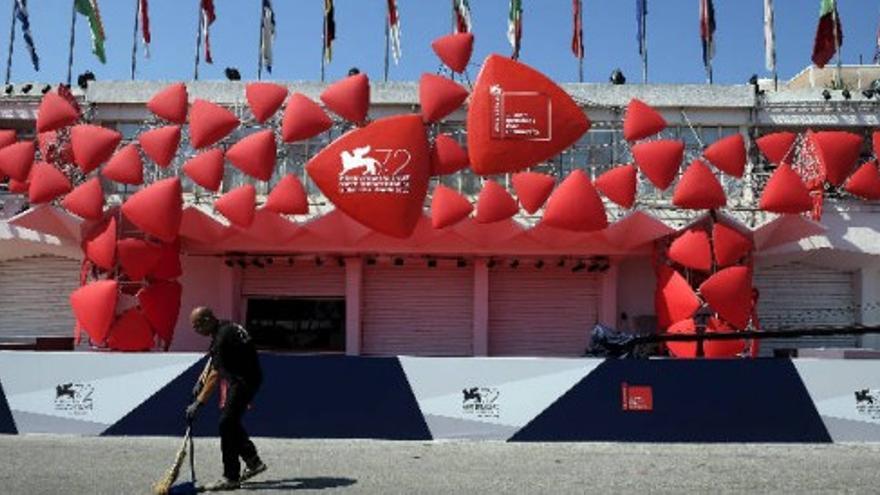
157,209
699,189
264,99
865,182
170,103
495,203
161,144
692,250
575,205
728,155
54,113
619,185
303,119
92,145
209,123
125,167
439,96
448,207
641,121
255,154
206,169
729,245
447,156
532,189
349,98
659,160
47,183
238,205
785,192
94,306
87,200
288,197
454,50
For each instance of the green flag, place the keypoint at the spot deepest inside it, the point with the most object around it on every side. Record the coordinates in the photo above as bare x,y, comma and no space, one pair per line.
89,8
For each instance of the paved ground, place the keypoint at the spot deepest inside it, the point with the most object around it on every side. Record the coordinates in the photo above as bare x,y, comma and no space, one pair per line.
73,465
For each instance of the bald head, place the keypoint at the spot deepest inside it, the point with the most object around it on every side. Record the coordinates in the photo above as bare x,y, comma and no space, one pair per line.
203,320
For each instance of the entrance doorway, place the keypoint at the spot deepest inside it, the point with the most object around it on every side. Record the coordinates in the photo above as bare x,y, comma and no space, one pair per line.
299,324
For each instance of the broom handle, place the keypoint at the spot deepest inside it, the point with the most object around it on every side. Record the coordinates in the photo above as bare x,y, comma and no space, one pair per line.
192,455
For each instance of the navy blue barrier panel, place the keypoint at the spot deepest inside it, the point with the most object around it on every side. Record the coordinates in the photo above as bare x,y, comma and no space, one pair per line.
753,400
7,424
301,397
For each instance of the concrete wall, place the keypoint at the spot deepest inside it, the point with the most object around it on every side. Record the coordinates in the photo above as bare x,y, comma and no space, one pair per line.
635,290
206,281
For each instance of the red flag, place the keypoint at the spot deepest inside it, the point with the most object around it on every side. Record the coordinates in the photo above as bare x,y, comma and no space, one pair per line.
829,34
145,24
208,18
577,37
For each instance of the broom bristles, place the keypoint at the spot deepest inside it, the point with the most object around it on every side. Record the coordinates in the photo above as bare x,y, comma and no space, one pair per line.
164,485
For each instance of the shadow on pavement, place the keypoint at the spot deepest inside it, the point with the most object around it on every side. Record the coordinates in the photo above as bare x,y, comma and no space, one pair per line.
316,483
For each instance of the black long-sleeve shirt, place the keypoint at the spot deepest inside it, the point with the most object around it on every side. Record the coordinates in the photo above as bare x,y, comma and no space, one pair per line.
234,355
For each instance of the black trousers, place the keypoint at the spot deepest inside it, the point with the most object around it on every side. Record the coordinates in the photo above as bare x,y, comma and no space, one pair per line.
234,440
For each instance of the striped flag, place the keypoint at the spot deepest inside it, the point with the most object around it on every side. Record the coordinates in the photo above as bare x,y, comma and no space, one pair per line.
267,34
89,8
769,37
707,30
641,32
329,29
21,13
514,27
394,29
577,37
208,18
462,11
829,33
144,14
877,47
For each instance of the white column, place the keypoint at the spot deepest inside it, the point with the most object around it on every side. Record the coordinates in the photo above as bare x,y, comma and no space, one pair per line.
481,308
608,296
867,286
354,273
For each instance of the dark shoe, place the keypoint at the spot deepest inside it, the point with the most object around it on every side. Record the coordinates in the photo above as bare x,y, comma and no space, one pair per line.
251,471
223,484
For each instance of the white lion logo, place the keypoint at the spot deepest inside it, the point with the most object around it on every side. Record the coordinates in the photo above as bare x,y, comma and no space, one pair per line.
358,158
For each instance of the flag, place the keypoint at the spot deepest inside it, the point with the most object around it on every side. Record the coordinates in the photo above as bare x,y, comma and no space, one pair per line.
89,8
208,18
877,47
394,29
144,15
829,35
641,32
329,29
462,11
21,13
514,26
769,37
577,37
707,30
267,34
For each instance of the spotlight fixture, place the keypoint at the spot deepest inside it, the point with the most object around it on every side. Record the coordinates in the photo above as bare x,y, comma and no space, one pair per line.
617,77
228,262
846,94
868,93
753,80
514,263
340,261
46,89
241,263
580,265
491,263
593,267
27,88
318,261
290,261
826,94
398,261
432,263
84,79
270,261
561,262
9,89
539,264
371,261
257,262
232,74
354,71
461,263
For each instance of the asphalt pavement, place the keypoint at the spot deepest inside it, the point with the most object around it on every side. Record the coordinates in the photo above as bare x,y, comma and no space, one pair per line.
36,464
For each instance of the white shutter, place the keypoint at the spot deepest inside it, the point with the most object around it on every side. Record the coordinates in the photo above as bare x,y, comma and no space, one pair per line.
302,279
796,295
415,310
35,297
541,312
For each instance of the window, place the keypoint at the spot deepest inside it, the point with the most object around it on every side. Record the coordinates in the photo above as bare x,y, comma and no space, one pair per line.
297,324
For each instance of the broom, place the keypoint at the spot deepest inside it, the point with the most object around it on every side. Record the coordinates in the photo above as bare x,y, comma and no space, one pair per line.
163,486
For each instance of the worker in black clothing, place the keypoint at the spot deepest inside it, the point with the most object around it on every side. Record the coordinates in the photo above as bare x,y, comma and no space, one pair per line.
233,359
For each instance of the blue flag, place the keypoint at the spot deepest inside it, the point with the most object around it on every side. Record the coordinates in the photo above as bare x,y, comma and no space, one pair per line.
641,17
21,14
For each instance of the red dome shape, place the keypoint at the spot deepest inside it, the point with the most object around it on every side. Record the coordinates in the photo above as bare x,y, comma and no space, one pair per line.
125,167
16,160
575,205
619,185
18,187
206,169
439,96
157,209
209,123
721,348
100,246
785,192
777,147
303,119
131,332
168,267
238,205
137,257
264,99
532,189
838,152
94,306
499,140
699,189
865,182
86,200
160,303
659,160
875,142
255,154
495,203
7,137
161,144
447,156
687,348
288,197
692,250
92,145
448,207
729,245
47,183
641,121
55,112
349,98
675,300
454,50
170,103
728,155
729,293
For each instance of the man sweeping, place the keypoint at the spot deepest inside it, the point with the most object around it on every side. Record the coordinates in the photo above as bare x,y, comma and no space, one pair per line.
233,359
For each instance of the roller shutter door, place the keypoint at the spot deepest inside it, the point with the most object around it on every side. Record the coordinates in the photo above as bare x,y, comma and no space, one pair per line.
417,311
303,279
35,297
797,295
541,312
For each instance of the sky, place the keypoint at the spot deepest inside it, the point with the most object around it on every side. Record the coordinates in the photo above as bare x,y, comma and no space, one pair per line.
609,38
